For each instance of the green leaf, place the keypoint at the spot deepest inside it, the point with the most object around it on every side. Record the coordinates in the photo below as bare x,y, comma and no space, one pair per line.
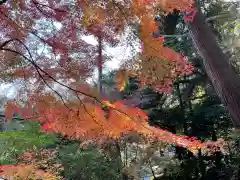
28,138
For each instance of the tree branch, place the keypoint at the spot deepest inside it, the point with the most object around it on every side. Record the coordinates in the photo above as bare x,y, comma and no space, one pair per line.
6,42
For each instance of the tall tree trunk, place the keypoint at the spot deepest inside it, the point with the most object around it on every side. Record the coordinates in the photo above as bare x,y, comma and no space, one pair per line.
114,151
100,62
224,80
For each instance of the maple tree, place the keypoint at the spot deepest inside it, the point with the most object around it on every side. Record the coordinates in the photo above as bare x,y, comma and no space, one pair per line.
68,61
87,122
65,55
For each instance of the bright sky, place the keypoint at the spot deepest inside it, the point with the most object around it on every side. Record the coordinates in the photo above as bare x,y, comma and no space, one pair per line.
118,54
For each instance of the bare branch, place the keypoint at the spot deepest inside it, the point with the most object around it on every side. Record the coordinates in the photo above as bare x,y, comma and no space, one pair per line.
44,5
31,32
6,42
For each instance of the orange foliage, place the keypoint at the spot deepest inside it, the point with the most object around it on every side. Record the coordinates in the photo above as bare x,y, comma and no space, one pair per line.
90,121
31,168
158,66
25,172
108,19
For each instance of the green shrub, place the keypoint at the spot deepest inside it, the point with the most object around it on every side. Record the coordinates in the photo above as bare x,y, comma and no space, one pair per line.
27,138
86,164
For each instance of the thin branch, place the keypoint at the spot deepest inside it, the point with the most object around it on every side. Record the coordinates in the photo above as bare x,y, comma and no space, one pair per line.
6,42
85,108
32,61
31,32
60,96
75,90
220,16
44,5
38,68
153,173
175,35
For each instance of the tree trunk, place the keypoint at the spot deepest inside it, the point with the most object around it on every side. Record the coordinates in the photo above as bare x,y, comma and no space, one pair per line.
100,62
224,80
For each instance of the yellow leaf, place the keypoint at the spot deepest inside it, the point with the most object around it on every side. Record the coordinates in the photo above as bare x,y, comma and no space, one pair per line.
121,79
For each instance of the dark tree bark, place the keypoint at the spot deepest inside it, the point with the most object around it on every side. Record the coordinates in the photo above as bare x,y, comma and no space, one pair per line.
224,80
100,62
